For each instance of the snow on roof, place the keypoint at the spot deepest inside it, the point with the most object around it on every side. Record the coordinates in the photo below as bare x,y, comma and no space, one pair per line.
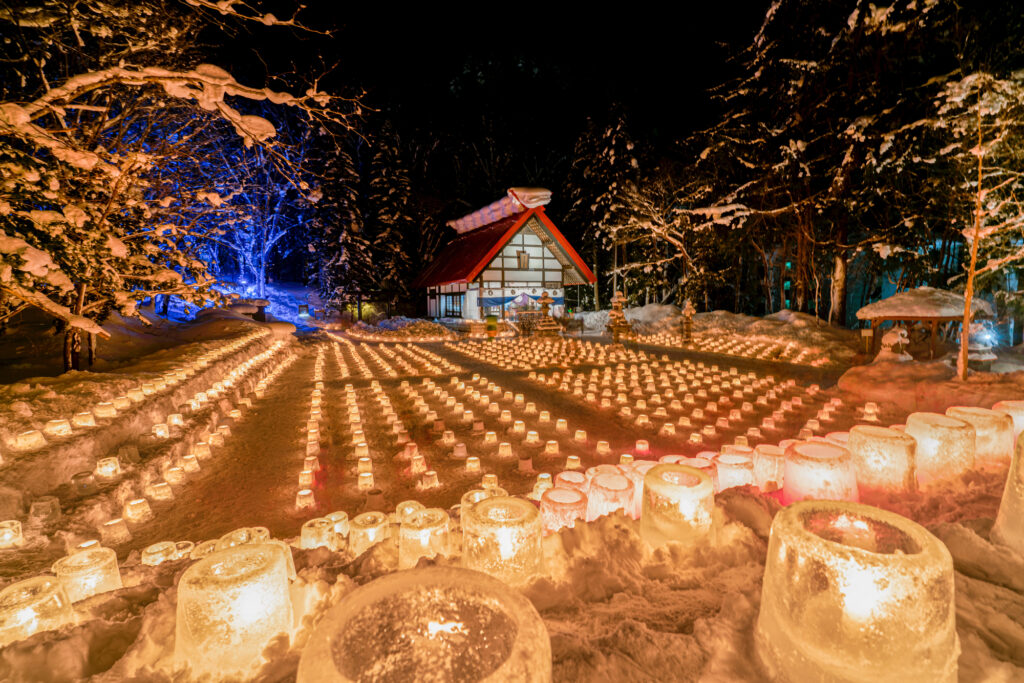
923,302
516,201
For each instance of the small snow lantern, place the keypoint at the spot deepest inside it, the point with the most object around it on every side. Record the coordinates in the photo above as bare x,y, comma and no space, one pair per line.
422,533
561,507
852,592
818,470
138,511
607,493
316,532
502,537
230,604
733,470
677,504
367,529
88,573
945,445
883,458
769,467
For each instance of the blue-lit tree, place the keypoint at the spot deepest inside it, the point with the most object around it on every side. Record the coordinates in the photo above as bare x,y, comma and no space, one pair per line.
113,160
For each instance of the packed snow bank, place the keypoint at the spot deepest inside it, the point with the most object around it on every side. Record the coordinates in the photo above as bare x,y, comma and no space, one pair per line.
929,386
401,329
923,302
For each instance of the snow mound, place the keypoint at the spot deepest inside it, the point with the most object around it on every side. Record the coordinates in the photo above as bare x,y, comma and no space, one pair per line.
923,302
929,386
400,328
649,319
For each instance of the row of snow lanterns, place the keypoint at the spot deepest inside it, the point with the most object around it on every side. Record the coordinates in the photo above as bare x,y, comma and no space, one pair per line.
730,389
361,335
107,410
45,602
739,346
305,499
138,510
522,354
108,469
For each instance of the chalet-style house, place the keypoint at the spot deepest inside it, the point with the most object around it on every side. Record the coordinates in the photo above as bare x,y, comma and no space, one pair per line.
506,255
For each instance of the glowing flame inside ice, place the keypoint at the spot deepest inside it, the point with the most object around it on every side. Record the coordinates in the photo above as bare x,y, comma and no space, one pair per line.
862,596
449,627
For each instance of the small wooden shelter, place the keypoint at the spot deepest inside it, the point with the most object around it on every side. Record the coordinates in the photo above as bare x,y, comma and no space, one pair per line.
933,307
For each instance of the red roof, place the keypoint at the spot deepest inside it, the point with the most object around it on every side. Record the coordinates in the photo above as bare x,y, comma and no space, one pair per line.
468,254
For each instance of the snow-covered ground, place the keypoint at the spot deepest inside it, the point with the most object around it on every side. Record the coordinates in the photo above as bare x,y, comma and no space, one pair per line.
614,610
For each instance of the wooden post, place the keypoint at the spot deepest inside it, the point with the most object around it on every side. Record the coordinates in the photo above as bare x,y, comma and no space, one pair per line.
935,332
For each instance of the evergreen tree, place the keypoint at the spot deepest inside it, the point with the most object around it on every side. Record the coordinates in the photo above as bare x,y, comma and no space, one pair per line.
391,224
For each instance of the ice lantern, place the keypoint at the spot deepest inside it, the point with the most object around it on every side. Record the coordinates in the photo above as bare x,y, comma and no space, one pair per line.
88,573
822,471
945,445
1009,526
502,537
883,458
855,593
441,623
230,604
677,504
993,432
33,605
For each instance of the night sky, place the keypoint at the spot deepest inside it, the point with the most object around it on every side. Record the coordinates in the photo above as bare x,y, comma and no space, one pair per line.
531,74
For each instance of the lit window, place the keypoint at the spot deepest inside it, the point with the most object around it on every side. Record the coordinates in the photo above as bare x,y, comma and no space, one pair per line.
524,260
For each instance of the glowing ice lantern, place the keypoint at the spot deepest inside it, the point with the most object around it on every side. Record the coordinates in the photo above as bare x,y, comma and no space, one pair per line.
10,534
945,445
883,458
115,532
158,553
561,507
733,470
108,468
304,499
88,573
769,467
367,529
852,592
138,511
993,431
84,419
1009,526
454,623
316,532
305,478
161,431
607,493
1015,409
817,470
502,537
677,504
422,533
33,605
230,604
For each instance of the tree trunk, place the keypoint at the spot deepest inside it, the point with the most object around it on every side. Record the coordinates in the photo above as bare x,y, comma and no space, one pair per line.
837,293
965,333
166,305
597,299
92,349
72,336
739,280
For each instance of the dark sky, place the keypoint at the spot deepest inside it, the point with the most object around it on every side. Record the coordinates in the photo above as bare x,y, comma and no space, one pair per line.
542,69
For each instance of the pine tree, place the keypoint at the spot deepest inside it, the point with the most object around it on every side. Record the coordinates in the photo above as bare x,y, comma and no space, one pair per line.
391,224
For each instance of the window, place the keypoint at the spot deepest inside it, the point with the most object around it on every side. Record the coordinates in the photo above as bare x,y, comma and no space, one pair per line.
524,260
451,305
